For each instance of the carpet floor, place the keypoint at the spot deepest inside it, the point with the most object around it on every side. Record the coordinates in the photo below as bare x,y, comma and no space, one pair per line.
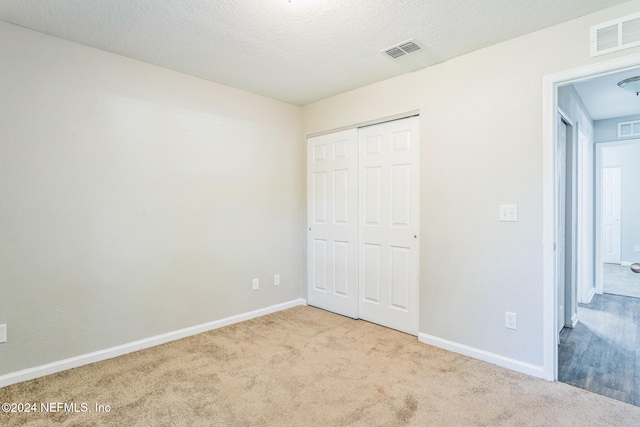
305,367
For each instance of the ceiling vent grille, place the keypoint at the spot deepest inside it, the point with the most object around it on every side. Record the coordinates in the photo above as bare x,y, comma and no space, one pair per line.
401,49
612,36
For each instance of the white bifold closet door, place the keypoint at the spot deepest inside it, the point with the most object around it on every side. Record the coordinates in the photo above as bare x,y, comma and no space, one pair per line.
363,253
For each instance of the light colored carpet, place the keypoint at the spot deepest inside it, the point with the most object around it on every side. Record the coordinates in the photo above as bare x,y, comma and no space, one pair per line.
308,367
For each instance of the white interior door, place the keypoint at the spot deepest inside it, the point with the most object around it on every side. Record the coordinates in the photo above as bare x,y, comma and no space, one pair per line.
389,258
611,207
332,211
561,188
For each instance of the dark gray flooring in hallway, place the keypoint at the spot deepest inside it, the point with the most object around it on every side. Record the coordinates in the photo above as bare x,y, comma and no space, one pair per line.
602,353
620,280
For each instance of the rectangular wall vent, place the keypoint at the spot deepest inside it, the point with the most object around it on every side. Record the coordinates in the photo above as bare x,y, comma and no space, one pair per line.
611,36
401,49
628,129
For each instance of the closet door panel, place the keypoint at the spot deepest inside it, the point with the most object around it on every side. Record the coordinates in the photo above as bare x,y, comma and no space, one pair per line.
389,210
332,206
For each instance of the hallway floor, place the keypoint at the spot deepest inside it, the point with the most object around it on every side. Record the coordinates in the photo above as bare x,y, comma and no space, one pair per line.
602,353
620,280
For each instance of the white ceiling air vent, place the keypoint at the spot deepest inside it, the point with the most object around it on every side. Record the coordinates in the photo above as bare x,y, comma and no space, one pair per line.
621,33
401,49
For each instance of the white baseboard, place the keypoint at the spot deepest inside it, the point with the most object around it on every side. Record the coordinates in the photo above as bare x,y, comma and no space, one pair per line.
574,320
626,264
108,353
496,359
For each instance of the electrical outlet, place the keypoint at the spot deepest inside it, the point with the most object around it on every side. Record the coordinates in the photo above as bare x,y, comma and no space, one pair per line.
636,248
256,284
510,320
508,212
3,333
276,280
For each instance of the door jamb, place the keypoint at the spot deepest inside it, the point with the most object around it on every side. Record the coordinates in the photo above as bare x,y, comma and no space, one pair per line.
571,229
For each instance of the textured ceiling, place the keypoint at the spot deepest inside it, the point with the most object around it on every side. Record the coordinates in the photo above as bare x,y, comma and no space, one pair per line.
298,51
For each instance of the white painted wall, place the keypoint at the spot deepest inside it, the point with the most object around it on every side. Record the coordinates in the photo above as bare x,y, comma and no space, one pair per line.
481,146
135,200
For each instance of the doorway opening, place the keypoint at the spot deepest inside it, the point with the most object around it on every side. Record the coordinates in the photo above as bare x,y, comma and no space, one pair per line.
617,185
583,322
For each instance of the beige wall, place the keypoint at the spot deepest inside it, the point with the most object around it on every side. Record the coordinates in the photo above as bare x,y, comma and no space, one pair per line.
481,136
135,200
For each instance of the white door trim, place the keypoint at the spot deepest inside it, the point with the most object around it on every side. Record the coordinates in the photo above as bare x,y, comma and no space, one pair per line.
550,85
561,233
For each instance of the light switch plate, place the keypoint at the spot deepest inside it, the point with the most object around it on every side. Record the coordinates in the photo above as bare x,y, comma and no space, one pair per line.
509,213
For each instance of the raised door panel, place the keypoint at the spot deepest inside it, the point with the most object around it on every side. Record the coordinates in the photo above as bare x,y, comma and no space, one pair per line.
341,266
341,196
372,196
319,265
371,260
401,195
319,201
400,288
